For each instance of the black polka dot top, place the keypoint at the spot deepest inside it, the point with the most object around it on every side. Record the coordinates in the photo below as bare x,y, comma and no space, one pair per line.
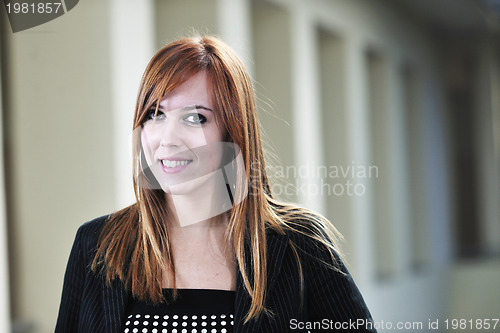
194,311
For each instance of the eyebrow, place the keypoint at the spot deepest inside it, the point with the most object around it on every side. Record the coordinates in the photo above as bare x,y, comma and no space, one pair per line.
189,108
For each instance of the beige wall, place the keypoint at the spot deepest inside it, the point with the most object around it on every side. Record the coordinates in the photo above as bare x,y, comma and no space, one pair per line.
65,102
179,18
4,271
59,145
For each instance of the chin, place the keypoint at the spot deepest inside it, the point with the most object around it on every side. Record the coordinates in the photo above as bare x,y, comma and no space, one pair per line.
178,189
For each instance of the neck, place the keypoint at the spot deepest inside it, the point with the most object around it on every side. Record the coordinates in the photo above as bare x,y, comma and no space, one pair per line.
200,206
197,236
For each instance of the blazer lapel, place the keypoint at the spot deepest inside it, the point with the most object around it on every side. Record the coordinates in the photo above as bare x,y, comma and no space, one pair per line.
276,247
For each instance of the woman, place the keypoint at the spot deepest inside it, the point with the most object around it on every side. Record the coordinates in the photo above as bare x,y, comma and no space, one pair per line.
206,247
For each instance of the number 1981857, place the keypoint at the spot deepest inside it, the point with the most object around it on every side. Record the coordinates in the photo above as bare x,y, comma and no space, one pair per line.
31,8
471,324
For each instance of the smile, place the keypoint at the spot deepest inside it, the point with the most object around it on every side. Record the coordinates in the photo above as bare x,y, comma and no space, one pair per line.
175,164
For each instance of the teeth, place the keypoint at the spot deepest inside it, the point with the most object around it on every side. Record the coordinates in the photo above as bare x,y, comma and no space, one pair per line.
173,164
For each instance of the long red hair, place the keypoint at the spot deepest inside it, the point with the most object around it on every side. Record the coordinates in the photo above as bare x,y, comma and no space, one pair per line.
134,244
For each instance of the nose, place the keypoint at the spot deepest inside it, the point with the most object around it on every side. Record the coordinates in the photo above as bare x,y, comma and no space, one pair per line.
171,135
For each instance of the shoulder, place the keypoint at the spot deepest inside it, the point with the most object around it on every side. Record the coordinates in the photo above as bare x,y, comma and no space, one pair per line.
303,225
313,232
311,237
92,228
88,233
94,225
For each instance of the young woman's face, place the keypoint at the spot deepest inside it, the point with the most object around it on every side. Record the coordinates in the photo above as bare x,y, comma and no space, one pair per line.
182,143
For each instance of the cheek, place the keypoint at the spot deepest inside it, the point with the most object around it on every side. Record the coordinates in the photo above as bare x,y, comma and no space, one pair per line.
213,134
204,137
210,148
149,144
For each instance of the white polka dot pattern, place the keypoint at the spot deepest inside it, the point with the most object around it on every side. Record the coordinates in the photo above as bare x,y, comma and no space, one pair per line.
181,323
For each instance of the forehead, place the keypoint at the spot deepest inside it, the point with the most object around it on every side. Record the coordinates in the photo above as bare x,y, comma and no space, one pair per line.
194,90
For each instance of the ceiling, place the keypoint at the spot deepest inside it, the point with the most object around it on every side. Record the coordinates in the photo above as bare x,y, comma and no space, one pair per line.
465,17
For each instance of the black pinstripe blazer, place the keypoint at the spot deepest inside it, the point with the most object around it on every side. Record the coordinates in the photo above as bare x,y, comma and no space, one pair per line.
331,299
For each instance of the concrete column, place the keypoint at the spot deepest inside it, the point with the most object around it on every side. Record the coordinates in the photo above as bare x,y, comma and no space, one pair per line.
398,161
359,137
132,45
335,135
233,25
306,106
415,153
381,144
437,166
487,90
271,31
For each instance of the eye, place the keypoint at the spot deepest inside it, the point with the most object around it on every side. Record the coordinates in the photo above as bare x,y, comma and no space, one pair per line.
195,118
151,115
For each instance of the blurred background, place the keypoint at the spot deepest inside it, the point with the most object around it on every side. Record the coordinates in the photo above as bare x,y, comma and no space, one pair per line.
384,115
